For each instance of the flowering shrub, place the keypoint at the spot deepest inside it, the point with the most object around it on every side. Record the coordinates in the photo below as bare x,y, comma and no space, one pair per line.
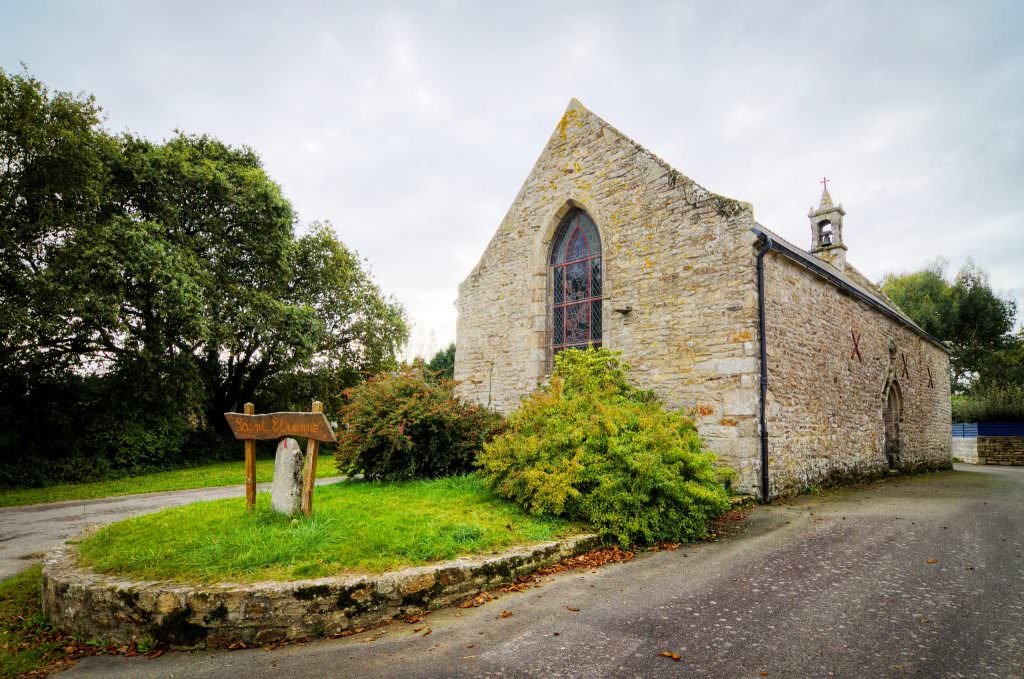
400,426
591,447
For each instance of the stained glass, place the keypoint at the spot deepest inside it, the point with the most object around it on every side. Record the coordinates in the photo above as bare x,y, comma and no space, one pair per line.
575,323
578,247
558,326
576,219
576,284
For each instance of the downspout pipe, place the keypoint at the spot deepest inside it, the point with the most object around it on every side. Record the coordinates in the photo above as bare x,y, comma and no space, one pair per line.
766,243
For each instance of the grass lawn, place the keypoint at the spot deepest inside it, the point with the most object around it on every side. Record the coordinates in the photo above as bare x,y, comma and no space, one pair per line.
26,641
355,527
219,474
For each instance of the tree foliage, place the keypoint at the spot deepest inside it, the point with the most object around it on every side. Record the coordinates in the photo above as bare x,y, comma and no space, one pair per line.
442,365
591,447
156,285
52,182
963,311
402,425
990,402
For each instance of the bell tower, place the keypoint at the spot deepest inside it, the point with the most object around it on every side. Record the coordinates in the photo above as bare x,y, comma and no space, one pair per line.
827,230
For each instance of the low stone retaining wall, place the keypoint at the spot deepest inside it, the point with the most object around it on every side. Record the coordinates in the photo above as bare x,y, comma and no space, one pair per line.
118,610
1008,450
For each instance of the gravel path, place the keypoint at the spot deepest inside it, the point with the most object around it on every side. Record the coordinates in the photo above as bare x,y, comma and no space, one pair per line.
918,577
28,532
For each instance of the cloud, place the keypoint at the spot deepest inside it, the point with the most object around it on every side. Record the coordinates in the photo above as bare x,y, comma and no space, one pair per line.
411,126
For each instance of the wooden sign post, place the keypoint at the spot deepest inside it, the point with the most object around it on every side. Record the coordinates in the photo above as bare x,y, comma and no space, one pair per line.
250,428
309,473
250,465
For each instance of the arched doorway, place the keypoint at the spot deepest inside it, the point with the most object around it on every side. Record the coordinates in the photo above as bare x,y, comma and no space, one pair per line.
892,413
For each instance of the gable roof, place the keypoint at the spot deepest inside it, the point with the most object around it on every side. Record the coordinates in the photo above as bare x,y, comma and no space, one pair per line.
695,193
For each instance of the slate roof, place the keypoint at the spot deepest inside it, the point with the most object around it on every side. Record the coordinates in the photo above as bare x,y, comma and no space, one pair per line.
850,278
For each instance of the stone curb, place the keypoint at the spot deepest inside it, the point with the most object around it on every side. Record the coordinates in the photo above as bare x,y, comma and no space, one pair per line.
117,610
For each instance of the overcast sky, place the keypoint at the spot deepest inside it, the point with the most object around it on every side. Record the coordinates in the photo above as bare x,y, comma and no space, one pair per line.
411,126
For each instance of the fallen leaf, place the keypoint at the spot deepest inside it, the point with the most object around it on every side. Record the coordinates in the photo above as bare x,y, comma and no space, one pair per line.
478,600
157,653
763,674
521,584
670,654
933,560
505,614
427,632
570,608
591,559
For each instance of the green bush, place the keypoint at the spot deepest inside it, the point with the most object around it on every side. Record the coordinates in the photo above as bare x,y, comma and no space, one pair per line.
401,426
591,447
994,403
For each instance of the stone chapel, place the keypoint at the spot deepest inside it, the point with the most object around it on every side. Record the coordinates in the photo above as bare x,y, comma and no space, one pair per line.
797,370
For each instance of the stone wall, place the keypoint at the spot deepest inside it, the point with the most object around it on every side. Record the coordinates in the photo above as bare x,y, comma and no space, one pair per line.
1003,450
677,256
681,305
965,449
118,610
824,404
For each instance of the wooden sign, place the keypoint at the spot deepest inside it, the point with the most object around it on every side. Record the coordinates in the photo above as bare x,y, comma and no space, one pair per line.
251,428
279,425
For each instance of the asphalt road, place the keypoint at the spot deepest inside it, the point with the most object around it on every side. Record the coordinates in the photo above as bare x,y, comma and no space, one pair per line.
918,577
28,532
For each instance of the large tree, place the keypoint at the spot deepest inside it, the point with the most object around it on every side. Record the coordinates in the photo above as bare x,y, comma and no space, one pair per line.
1005,368
157,285
52,183
202,261
963,311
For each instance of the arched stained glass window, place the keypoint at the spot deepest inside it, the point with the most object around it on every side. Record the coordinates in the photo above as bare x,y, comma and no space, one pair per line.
576,284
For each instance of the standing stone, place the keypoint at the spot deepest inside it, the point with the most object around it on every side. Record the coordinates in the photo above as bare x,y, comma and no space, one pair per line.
286,491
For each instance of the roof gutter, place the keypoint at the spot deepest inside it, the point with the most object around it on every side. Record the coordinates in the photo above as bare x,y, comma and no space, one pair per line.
806,261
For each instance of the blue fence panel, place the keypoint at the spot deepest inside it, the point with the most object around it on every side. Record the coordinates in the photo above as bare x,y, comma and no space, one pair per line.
969,430
1001,429
975,429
